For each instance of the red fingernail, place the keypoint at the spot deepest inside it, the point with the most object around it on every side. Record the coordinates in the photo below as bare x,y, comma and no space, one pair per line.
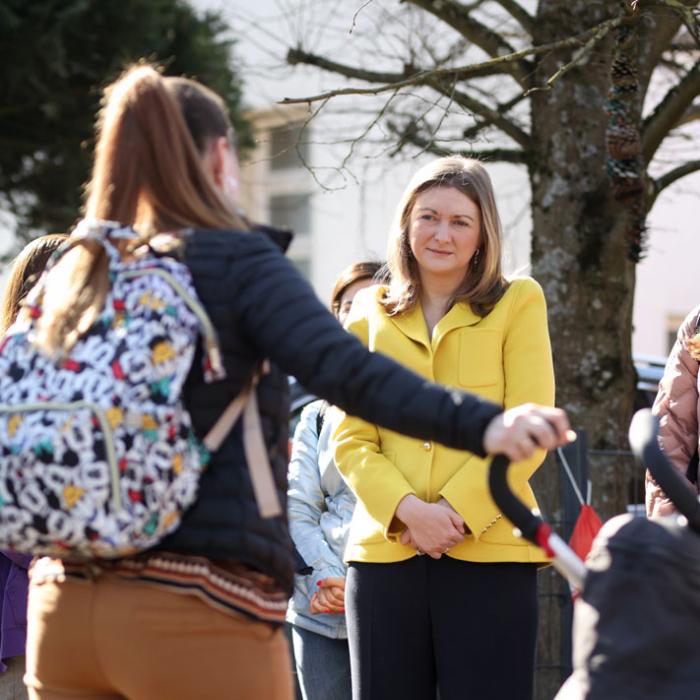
319,583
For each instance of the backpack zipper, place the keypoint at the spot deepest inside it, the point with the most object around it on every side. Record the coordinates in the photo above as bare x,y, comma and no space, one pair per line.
210,338
104,425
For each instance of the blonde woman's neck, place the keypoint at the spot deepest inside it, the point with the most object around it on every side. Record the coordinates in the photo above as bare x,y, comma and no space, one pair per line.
435,299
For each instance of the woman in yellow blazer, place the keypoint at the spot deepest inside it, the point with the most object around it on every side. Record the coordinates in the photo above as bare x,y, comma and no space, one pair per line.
463,618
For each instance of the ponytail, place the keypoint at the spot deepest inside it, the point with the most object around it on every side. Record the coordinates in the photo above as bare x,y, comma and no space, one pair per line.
148,174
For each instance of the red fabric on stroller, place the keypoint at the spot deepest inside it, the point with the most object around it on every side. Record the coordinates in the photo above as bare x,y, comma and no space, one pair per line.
587,526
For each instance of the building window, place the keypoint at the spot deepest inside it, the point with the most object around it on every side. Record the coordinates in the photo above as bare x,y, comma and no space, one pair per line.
291,211
289,147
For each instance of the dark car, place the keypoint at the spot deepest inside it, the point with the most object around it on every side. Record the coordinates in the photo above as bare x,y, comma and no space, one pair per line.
650,369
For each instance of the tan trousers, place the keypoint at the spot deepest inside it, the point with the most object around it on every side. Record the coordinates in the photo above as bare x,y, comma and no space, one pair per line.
110,638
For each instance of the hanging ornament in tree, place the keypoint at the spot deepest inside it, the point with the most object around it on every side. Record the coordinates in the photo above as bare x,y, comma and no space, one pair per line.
624,162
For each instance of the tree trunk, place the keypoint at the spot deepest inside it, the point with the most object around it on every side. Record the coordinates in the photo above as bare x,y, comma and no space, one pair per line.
579,255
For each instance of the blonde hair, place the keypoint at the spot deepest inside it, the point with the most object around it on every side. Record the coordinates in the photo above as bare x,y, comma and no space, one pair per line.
26,270
148,173
484,283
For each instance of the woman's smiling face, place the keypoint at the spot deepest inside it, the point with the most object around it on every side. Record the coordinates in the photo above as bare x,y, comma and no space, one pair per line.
444,232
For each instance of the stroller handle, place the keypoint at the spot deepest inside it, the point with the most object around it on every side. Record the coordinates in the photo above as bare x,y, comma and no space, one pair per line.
643,437
531,525
510,505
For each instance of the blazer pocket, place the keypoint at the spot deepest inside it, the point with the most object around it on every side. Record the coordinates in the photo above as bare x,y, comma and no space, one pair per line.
480,357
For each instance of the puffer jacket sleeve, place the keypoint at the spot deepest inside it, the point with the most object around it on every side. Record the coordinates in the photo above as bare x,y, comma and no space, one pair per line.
284,320
676,405
306,503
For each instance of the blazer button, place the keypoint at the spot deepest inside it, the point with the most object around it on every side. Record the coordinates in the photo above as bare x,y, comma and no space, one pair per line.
426,445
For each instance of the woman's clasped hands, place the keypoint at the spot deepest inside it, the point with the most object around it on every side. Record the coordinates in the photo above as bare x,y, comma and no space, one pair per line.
330,596
431,528
434,528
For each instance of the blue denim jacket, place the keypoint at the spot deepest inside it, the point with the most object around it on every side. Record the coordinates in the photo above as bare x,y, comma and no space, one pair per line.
320,507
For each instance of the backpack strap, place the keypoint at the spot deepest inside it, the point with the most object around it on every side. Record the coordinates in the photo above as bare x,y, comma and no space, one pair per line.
246,403
102,232
99,231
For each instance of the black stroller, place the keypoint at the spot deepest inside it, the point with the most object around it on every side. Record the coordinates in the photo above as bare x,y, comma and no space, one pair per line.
637,618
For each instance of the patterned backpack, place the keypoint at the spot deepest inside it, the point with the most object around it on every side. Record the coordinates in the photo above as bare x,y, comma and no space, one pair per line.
97,453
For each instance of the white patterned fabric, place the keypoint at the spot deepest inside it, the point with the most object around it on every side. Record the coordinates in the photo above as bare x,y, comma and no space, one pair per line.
97,453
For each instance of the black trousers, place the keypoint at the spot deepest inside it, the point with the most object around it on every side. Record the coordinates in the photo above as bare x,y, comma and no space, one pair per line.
419,625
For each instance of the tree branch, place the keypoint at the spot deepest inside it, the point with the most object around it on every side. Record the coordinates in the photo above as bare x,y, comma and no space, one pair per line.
503,155
669,111
599,33
413,75
668,178
410,134
298,56
690,115
492,43
438,81
656,31
492,116
503,108
690,15
444,79
519,13
394,81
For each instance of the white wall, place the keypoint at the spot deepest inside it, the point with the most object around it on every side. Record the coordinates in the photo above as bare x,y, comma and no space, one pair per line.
668,279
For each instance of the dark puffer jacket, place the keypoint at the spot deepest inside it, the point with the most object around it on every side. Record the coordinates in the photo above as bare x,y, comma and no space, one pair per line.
263,308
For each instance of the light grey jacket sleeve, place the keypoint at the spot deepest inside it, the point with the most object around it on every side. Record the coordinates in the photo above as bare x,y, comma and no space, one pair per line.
307,502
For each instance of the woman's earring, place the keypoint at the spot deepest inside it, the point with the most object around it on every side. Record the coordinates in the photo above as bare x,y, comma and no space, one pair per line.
475,257
231,187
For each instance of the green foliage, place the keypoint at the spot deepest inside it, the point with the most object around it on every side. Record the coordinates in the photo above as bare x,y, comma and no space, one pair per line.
55,58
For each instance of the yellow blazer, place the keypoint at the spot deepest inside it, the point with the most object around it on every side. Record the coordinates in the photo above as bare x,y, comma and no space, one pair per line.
504,357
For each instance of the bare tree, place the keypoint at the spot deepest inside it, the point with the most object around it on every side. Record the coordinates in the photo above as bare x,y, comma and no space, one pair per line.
584,94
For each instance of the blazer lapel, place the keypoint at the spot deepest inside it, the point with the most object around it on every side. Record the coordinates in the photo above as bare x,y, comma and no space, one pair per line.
412,325
459,316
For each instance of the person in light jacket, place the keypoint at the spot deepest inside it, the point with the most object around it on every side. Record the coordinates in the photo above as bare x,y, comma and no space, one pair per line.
320,507
463,618
678,406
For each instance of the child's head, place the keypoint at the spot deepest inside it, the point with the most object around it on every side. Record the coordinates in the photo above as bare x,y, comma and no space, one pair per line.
26,270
